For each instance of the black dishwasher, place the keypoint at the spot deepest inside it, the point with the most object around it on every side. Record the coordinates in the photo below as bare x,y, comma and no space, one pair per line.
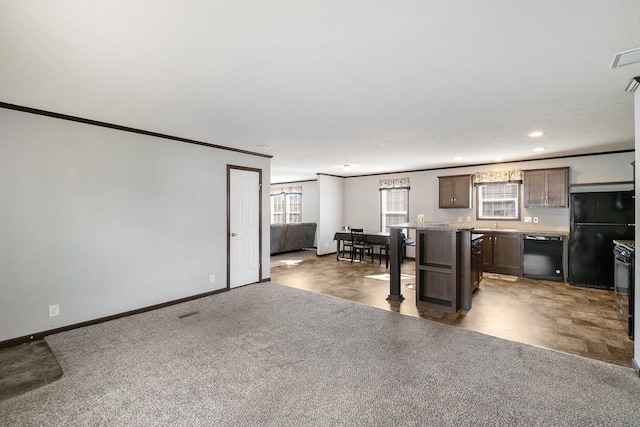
542,257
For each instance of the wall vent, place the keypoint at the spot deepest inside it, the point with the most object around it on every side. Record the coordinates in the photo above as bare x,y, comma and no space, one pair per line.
625,58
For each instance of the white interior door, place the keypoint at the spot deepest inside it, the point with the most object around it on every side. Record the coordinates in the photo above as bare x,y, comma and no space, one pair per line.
244,227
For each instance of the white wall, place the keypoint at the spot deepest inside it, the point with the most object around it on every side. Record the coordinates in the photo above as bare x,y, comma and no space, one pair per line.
362,199
331,208
102,221
310,200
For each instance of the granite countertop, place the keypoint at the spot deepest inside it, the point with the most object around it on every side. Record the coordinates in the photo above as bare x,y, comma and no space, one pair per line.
515,230
433,225
446,226
545,233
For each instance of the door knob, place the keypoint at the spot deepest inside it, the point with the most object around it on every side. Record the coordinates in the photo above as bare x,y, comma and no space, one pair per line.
233,234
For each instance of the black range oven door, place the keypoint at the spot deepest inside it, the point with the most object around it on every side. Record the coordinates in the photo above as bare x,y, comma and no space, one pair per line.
624,283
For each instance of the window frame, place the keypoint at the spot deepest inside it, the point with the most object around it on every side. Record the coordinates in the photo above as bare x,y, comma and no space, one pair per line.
289,206
384,226
286,212
517,199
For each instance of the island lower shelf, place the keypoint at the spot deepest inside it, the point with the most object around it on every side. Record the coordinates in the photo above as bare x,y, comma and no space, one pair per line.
443,269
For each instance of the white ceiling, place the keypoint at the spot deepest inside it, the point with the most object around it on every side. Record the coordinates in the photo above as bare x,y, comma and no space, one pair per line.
385,85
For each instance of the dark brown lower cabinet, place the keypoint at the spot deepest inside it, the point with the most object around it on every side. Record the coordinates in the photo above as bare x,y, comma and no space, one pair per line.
476,263
443,269
502,253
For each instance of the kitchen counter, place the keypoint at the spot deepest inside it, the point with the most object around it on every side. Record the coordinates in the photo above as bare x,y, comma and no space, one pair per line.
501,255
433,225
514,230
395,247
443,269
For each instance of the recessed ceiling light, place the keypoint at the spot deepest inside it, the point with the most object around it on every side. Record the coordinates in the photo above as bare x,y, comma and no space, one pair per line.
498,159
539,149
346,166
457,158
536,134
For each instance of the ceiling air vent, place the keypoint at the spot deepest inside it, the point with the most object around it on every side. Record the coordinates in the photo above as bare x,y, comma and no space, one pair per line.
627,57
633,84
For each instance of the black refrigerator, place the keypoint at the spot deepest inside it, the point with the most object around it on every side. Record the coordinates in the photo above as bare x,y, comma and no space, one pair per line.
596,220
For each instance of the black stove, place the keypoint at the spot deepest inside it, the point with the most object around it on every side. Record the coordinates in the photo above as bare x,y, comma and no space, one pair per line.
624,266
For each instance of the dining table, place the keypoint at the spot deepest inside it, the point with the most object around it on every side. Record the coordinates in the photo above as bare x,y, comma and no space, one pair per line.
374,237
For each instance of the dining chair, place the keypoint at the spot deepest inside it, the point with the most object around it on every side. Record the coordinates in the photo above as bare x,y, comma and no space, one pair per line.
347,244
385,248
359,245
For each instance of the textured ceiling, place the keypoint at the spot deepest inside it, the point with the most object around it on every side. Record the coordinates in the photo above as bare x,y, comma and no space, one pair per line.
384,85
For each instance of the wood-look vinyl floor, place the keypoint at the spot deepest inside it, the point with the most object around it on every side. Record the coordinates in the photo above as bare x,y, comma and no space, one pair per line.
26,367
547,314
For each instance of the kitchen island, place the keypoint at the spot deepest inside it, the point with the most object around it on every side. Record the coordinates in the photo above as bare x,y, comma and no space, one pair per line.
443,265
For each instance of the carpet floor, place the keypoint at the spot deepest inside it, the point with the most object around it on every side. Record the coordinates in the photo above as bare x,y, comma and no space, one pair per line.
271,355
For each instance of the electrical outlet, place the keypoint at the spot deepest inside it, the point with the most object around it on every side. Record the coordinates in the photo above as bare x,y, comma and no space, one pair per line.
468,219
54,310
212,278
459,219
535,219
527,219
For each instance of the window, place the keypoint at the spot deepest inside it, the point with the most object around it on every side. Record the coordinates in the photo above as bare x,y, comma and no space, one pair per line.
499,201
395,207
394,202
294,207
286,205
277,209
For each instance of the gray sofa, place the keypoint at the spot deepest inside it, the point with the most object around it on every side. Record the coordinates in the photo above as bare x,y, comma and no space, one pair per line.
292,237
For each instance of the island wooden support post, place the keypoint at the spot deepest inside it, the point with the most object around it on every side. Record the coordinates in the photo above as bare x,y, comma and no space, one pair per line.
395,247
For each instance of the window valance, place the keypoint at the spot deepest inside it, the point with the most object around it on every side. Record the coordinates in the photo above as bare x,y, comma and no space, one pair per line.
394,184
511,176
294,189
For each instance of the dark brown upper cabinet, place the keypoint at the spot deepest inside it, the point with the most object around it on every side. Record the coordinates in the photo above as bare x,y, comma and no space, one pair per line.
546,188
455,192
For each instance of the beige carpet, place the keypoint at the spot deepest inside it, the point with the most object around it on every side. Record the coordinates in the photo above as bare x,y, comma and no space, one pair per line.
271,355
